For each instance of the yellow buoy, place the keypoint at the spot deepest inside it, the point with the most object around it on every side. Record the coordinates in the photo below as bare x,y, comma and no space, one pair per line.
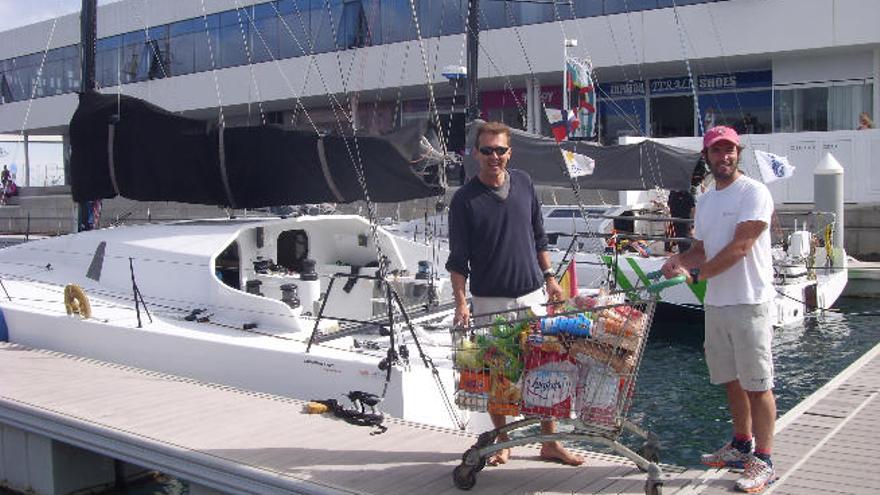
75,301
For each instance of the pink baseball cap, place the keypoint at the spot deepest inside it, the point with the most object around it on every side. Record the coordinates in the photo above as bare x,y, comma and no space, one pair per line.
720,133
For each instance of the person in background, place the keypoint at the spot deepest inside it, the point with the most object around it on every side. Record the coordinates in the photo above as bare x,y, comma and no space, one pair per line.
681,205
731,251
865,122
497,239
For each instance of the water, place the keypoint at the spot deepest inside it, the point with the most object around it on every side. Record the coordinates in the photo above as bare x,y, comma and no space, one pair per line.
675,400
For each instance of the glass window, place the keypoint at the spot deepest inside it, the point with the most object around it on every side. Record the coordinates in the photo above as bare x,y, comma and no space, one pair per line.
182,40
207,43
324,17
72,68
352,29
442,17
233,33
827,108
587,9
620,6
132,65
107,57
749,112
264,33
396,21
47,164
621,117
293,38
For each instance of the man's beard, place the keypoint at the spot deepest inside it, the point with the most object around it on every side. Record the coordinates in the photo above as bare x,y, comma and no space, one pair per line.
724,176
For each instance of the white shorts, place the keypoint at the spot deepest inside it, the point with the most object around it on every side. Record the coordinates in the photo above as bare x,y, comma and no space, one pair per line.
738,345
483,306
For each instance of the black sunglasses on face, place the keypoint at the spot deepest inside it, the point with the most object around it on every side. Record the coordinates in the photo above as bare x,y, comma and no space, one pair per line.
499,150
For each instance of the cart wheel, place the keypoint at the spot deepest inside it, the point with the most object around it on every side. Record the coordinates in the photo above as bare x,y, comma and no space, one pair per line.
650,452
481,463
653,487
464,477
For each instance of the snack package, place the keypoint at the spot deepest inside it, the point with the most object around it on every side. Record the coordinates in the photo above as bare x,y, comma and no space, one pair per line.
549,379
504,395
473,390
597,392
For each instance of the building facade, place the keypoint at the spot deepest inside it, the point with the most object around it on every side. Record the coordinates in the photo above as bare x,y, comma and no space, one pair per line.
664,68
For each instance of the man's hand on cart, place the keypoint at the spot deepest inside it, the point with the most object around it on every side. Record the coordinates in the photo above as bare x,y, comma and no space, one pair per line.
673,268
462,317
554,291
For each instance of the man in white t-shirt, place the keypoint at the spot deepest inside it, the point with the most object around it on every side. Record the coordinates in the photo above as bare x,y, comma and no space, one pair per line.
732,253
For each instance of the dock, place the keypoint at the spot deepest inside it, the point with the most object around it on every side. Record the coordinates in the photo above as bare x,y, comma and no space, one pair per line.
226,440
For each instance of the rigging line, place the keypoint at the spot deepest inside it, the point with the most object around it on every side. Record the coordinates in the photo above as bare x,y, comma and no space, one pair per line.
221,120
442,136
625,116
373,223
687,62
37,82
484,52
247,50
358,164
728,71
575,186
432,102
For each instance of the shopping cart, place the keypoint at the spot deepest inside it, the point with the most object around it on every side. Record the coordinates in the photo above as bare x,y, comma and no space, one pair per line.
578,366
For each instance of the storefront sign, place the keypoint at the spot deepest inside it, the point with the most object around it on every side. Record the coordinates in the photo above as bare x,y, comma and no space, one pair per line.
623,89
712,82
506,98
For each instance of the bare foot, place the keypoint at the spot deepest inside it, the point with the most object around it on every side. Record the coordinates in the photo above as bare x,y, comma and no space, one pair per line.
499,458
555,452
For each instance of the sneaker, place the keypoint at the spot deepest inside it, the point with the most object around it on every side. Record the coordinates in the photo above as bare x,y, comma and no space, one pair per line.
726,457
757,476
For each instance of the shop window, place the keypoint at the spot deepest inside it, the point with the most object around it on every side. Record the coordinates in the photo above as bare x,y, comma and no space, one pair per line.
749,112
672,116
621,117
826,108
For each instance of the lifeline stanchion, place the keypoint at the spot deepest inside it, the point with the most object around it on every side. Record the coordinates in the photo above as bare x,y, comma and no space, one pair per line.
138,297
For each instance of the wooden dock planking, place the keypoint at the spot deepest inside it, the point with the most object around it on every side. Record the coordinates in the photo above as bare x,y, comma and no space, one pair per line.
833,446
271,434
274,439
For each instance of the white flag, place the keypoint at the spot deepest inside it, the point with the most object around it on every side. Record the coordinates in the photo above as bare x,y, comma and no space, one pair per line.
773,166
578,165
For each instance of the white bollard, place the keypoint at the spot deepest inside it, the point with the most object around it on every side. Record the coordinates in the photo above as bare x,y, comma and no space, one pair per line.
828,197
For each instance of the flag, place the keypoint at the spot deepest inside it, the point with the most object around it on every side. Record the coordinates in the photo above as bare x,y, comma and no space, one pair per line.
578,165
562,122
773,167
578,77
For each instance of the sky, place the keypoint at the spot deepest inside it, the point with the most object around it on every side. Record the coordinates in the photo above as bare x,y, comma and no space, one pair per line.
15,13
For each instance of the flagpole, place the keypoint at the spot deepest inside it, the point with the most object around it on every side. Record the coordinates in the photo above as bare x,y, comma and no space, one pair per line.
565,96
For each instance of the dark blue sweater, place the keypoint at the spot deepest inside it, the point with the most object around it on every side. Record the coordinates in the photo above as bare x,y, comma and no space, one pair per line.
495,242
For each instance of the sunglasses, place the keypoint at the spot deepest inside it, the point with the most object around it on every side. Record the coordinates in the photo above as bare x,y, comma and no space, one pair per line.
499,150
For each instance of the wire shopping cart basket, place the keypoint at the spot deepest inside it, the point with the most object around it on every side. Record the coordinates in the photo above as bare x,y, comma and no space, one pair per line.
578,366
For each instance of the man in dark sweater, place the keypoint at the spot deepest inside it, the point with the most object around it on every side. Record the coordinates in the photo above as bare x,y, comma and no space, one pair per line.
496,237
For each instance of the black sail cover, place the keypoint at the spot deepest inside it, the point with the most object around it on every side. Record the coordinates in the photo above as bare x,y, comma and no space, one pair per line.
641,166
124,146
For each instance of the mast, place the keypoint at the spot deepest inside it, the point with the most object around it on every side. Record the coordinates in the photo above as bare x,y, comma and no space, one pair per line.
88,29
88,26
472,33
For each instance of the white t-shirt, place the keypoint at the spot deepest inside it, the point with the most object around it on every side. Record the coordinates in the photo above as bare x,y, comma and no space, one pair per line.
749,280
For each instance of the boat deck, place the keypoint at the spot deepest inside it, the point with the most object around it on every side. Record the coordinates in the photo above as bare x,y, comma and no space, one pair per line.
238,441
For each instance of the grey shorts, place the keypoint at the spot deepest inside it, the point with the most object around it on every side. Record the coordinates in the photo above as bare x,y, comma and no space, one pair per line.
738,345
483,305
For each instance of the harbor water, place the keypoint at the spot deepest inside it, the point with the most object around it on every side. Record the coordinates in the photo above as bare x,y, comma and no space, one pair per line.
675,400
